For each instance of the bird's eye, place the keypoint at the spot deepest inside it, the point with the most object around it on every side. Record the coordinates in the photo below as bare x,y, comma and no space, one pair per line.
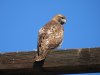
62,17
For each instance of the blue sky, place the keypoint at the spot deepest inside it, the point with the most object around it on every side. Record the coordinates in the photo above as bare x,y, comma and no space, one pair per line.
20,21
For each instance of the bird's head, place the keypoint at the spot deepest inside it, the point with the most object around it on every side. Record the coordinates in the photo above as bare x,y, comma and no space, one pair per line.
60,18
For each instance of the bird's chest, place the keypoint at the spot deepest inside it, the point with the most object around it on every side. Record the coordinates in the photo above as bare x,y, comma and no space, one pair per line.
56,31
51,36
55,34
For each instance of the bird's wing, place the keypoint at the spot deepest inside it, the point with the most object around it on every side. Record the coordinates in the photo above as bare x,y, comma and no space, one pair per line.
50,36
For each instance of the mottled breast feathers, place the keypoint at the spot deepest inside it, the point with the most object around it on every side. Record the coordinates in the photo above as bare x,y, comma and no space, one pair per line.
50,36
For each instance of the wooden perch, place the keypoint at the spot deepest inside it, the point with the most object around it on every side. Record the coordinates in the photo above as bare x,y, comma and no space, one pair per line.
85,60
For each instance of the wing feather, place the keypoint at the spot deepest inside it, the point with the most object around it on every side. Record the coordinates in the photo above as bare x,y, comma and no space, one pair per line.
49,37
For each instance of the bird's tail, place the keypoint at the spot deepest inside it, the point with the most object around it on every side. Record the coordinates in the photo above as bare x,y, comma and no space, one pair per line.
41,56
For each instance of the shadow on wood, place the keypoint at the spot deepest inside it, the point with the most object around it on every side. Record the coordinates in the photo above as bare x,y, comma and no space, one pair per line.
38,66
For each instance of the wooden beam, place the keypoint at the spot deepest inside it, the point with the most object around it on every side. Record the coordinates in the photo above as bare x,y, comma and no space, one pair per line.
85,60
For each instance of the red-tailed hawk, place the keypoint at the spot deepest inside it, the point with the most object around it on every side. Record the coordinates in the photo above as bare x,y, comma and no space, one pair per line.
50,36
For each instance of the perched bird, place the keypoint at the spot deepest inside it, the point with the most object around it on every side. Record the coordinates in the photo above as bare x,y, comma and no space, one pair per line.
50,36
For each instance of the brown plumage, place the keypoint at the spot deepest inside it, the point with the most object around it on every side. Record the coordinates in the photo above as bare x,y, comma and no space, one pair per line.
50,36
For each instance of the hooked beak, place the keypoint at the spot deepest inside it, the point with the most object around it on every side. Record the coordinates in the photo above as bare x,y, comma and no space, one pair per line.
63,21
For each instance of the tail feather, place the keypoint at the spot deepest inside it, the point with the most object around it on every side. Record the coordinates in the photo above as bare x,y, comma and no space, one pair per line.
41,56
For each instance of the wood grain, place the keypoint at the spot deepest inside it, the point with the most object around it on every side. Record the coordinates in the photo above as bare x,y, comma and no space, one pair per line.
84,60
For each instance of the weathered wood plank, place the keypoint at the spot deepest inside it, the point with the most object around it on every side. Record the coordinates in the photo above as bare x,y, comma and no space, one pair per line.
63,61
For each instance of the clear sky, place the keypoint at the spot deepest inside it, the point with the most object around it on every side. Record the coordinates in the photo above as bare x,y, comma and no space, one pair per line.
20,21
